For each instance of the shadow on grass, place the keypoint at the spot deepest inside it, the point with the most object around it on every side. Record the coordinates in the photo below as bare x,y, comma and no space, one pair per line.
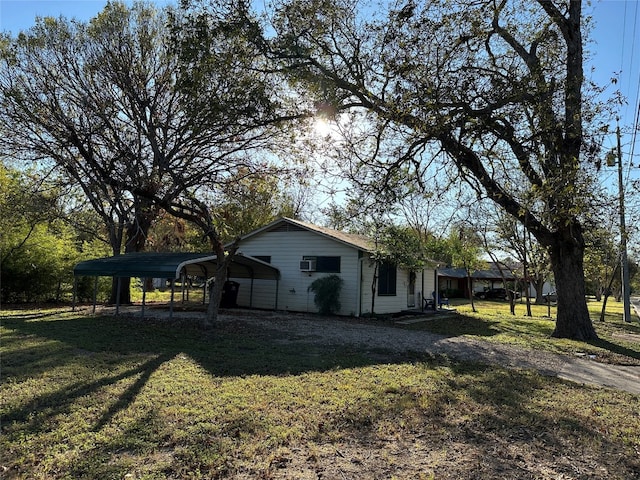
456,324
471,403
229,349
617,349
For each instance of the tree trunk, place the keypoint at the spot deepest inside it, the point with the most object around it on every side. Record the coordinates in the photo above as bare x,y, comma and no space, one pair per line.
215,295
136,238
221,276
539,287
125,291
567,255
607,292
470,289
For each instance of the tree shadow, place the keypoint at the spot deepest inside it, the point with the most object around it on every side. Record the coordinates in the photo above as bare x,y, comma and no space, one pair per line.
130,350
456,324
617,349
114,343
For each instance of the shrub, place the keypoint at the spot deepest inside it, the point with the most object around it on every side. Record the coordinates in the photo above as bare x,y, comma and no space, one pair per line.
327,293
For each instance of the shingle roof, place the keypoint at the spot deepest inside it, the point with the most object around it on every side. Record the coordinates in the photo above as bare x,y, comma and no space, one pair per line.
359,241
477,274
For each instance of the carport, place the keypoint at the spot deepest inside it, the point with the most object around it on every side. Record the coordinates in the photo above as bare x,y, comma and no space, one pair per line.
171,266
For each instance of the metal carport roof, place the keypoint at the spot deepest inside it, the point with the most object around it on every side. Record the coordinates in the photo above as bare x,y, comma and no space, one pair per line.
172,265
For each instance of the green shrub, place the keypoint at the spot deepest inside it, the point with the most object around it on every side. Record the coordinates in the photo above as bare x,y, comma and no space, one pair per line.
327,293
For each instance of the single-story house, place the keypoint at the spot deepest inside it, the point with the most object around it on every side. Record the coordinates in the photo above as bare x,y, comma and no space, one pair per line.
454,280
303,252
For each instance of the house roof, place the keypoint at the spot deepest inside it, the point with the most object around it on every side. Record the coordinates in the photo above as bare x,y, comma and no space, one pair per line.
171,265
477,274
360,242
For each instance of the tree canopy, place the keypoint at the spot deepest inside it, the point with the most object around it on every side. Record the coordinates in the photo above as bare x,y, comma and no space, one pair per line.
118,105
491,88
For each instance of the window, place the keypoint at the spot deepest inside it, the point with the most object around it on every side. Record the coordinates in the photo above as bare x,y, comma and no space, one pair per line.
325,264
387,279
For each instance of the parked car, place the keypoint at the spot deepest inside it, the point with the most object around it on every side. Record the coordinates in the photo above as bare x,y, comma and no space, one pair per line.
550,297
496,293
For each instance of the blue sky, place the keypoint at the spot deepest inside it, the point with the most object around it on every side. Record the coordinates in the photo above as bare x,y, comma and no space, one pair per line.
615,48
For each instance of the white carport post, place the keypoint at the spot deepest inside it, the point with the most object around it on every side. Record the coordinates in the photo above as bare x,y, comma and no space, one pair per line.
118,285
173,292
95,293
144,296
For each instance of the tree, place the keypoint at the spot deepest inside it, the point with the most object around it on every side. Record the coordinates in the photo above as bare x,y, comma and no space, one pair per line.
250,201
38,248
495,85
117,106
465,247
514,238
64,102
484,226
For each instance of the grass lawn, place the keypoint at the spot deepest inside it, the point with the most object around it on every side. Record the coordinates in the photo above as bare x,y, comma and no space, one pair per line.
619,341
96,397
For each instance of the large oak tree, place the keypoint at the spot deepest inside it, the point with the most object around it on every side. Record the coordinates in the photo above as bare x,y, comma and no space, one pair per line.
493,88
115,105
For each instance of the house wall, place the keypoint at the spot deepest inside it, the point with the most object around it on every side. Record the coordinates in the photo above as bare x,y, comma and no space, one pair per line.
286,250
424,285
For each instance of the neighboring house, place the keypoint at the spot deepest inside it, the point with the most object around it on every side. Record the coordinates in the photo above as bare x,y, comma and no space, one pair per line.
303,252
454,280
547,287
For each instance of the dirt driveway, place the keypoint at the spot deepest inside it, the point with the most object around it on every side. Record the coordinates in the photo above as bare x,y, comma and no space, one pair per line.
309,328
334,331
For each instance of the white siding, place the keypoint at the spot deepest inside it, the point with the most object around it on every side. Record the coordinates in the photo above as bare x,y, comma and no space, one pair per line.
398,302
286,250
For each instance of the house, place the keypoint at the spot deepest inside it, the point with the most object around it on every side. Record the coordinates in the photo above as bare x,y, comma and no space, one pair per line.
453,281
303,252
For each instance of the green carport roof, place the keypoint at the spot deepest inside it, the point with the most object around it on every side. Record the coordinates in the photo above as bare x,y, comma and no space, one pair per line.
171,265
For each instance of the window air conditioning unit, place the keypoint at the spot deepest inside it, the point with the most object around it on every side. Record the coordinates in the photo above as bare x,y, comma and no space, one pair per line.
308,266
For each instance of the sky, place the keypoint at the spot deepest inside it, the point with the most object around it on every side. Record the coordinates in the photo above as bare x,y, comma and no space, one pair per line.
615,51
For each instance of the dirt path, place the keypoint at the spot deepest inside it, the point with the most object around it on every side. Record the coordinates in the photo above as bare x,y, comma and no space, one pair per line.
306,328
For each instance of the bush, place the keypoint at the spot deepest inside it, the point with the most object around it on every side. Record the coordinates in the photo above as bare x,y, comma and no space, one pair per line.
327,293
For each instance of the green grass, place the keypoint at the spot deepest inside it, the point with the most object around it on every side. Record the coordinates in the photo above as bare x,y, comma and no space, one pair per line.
118,398
619,341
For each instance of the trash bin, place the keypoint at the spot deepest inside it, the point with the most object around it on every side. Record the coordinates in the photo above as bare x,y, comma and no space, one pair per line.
229,294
